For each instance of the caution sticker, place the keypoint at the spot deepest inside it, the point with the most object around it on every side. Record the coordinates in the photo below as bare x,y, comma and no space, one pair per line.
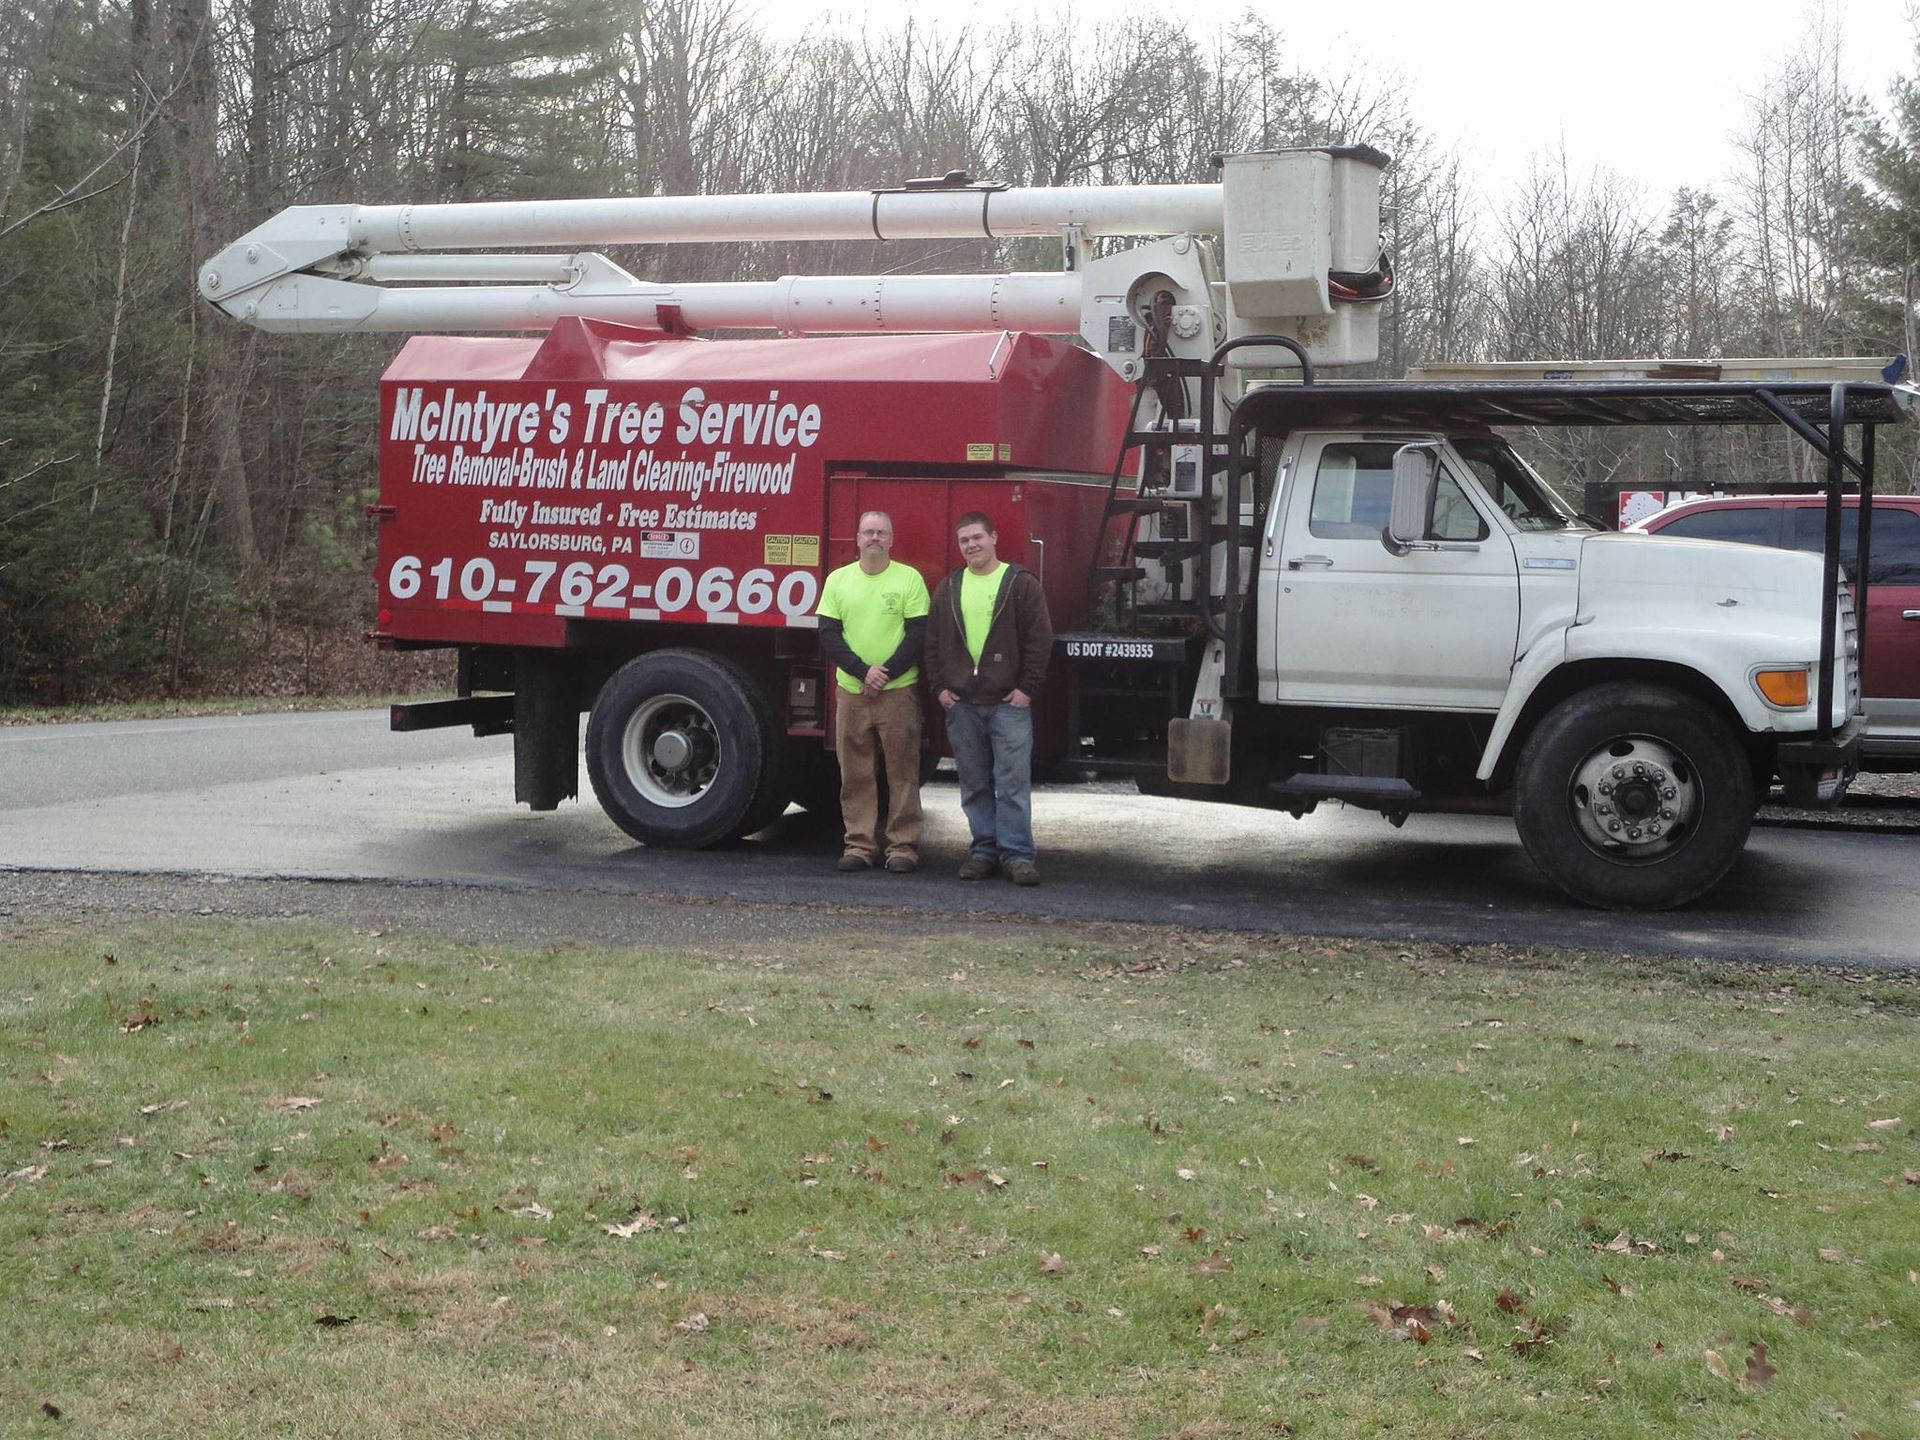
1006,454
979,452
777,550
806,549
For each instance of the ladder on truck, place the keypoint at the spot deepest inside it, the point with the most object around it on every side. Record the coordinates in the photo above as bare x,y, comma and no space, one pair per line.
1182,458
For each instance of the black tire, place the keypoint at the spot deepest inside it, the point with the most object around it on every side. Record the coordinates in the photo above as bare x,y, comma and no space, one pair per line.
682,751
1633,797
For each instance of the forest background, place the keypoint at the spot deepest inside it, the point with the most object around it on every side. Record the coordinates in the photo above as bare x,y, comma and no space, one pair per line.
181,497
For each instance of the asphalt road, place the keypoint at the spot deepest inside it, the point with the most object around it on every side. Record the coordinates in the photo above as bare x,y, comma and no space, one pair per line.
335,797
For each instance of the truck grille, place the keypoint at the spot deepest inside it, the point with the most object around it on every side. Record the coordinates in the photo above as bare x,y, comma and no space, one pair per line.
1848,644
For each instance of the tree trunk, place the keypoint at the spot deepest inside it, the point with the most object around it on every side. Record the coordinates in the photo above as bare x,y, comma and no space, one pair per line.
233,504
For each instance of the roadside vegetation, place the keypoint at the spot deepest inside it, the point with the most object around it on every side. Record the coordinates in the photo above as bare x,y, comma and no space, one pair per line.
263,1180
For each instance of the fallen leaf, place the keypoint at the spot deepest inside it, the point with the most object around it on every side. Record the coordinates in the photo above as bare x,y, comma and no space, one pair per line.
1759,1372
333,1322
534,1211
694,1324
1835,1256
1051,1263
1510,1302
1215,1264
1184,1174
295,1104
1717,1364
645,1220
1891,1123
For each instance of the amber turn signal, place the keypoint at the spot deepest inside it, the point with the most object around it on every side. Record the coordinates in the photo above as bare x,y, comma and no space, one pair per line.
1784,688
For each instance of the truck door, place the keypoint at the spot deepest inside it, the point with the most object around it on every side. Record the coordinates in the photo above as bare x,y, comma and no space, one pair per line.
1355,624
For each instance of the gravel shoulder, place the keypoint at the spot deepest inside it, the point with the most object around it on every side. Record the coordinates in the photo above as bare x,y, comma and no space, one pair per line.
515,917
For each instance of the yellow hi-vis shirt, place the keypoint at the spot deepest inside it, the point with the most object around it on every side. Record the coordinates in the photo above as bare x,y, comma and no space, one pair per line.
873,611
977,594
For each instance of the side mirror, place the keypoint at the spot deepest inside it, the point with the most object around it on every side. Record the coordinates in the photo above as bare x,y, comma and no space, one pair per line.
1415,470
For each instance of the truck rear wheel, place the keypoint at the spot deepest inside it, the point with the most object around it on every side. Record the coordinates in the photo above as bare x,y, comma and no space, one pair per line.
1633,797
681,749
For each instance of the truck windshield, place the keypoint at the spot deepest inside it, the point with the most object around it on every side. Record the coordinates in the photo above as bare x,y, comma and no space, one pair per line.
1528,500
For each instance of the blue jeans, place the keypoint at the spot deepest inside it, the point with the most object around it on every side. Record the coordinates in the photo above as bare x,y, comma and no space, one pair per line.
993,746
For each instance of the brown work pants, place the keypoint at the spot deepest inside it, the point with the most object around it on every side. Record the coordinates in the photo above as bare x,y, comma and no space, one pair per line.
867,732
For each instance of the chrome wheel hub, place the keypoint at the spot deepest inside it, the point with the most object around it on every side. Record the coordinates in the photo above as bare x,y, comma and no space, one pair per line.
671,751
1634,798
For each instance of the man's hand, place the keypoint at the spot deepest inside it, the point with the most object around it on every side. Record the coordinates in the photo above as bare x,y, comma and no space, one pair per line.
948,699
876,680
1019,699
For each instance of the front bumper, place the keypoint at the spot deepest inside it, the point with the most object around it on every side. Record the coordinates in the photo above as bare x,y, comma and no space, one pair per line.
1816,773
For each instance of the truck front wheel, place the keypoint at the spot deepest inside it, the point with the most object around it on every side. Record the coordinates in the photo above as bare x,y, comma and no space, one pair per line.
1633,797
681,750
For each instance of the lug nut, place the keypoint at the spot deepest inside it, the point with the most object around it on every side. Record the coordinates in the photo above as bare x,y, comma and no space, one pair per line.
1606,787
1639,770
1619,772
1653,829
1613,826
1666,814
1669,792
1634,833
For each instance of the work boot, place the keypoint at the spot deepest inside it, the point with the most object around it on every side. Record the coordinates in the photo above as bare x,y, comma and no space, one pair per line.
902,864
1023,872
853,861
977,867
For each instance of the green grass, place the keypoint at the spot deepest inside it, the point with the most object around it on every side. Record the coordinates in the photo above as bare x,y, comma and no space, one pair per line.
846,1169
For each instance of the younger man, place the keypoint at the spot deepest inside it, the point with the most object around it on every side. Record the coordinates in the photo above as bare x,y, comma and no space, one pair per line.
987,651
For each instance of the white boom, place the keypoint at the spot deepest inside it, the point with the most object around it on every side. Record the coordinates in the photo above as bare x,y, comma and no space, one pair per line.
1287,220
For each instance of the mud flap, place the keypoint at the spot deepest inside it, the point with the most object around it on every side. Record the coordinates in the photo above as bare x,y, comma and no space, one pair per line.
1199,752
546,730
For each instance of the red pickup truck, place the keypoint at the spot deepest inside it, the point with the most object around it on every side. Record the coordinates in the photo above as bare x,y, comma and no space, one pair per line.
1892,624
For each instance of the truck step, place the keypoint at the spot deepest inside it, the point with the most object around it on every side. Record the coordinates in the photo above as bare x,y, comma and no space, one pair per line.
1373,792
1119,572
1166,549
1133,505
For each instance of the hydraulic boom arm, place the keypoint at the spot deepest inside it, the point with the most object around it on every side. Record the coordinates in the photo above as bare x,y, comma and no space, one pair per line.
1288,221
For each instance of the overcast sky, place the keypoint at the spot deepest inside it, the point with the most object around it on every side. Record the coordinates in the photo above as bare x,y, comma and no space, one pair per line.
1651,89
